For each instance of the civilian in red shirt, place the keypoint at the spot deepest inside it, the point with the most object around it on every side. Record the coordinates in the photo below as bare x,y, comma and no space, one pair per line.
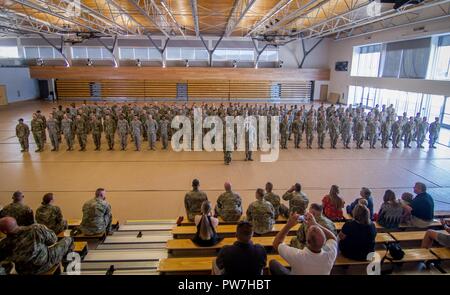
333,205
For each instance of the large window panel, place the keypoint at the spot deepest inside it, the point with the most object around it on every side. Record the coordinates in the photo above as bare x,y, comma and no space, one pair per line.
188,53
391,65
94,52
9,52
79,53
141,53
415,63
31,52
153,54
442,68
46,52
366,61
126,53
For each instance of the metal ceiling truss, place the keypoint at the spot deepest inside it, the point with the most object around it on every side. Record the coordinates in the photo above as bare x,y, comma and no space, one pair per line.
358,18
19,22
211,51
161,50
399,21
239,10
277,8
61,10
111,50
194,9
60,49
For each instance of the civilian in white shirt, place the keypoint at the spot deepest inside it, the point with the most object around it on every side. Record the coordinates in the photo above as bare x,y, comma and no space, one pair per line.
317,258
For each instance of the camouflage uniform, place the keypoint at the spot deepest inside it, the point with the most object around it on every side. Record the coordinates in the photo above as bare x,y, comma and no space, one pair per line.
51,216
407,131
110,129
298,202
136,131
261,215
193,202
434,133
123,128
152,129
385,130
360,128
53,132
164,125
97,129
310,126
321,129
422,129
333,128
297,127
22,133
37,125
396,128
97,217
21,212
81,131
346,131
34,249
229,206
299,241
372,132
275,200
283,133
67,130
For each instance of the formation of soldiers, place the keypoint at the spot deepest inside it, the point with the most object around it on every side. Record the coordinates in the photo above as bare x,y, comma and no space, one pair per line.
31,243
262,213
151,122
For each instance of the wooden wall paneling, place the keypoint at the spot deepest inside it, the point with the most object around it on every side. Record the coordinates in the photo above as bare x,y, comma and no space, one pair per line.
161,89
250,89
72,89
123,88
295,90
209,89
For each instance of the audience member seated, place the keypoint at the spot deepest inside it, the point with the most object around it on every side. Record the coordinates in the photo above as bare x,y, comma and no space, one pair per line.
422,207
365,194
273,198
261,214
243,257
97,215
391,211
298,202
33,249
318,256
442,238
299,241
333,205
206,234
229,205
193,200
50,215
357,237
18,210
406,204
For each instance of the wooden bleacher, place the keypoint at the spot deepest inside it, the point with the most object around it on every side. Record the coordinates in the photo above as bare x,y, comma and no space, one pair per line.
203,265
81,248
74,222
410,236
185,247
81,236
186,222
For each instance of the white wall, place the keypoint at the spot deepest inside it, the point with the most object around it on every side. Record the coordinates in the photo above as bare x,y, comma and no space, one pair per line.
343,50
19,85
291,54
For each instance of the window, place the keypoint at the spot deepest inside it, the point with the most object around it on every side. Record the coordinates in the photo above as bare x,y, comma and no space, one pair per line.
142,53
442,68
366,60
90,52
44,52
9,52
269,55
174,53
407,59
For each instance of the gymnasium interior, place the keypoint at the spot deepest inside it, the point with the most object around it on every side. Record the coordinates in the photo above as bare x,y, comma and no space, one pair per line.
267,53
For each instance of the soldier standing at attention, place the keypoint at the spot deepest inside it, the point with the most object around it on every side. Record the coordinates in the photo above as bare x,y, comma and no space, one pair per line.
333,128
152,128
33,249
310,127
346,130
284,132
372,132
296,129
18,210
422,129
23,133
434,129
67,130
396,129
36,128
321,129
385,130
44,125
360,128
298,202
261,214
123,128
164,126
53,132
407,130
50,215
97,217
97,129
110,129
81,131
136,129
229,205
273,199
193,200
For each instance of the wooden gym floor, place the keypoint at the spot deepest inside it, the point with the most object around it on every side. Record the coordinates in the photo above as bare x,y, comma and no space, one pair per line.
151,184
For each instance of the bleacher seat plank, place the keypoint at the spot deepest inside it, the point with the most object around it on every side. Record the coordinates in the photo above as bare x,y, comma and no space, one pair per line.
104,266
416,255
81,248
441,253
126,239
74,222
125,255
177,247
186,222
409,235
150,221
188,232
146,227
81,236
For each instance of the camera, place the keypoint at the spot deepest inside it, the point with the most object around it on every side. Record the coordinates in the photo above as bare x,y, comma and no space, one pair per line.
301,218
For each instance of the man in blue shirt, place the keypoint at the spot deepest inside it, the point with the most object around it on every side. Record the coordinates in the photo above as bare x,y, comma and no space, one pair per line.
421,207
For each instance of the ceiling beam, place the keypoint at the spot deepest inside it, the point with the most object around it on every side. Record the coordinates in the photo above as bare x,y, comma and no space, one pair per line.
195,17
151,12
239,10
275,10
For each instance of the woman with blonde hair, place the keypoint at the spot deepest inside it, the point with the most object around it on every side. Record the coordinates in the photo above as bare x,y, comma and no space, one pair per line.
206,234
333,205
357,237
